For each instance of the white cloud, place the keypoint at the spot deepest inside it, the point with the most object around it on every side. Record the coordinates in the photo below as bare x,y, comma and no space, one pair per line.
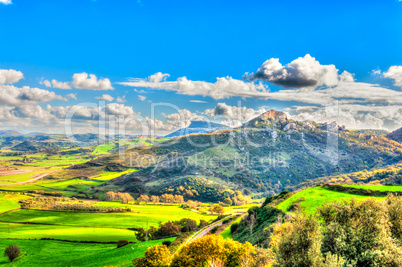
105,97
352,115
60,85
15,96
198,101
158,77
223,87
83,81
142,98
346,77
395,73
71,96
10,76
233,115
302,72
376,72
121,99
118,109
5,2
46,83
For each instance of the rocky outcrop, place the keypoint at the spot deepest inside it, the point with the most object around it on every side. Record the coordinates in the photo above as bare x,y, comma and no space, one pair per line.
273,115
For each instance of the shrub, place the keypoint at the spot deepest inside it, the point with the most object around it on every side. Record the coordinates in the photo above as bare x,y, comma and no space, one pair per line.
213,230
166,243
12,252
122,243
158,255
202,224
297,243
211,248
234,227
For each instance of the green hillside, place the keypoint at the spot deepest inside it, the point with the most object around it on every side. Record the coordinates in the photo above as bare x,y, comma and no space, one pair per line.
266,156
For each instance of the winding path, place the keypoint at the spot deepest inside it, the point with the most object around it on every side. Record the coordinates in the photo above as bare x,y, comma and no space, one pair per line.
29,181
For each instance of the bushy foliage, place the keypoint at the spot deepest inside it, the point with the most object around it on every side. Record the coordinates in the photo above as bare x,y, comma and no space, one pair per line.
257,230
167,243
155,256
212,248
297,243
119,196
122,243
360,232
67,204
217,209
345,233
12,252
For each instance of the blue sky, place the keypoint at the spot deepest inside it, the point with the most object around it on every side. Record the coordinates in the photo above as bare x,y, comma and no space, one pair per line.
201,40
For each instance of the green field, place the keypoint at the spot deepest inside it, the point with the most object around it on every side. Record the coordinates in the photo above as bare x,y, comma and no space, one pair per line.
9,201
142,216
57,253
106,176
73,233
227,233
103,149
78,184
376,187
312,198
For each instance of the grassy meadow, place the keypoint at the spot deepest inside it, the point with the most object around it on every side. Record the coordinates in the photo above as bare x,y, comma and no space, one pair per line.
57,253
312,198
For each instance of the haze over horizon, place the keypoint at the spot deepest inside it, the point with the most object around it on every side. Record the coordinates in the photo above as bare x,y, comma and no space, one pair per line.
159,65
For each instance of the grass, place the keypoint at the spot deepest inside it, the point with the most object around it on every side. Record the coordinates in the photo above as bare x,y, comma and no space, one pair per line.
106,176
9,201
312,198
376,187
103,149
73,233
78,184
143,216
57,253
227,233
238,209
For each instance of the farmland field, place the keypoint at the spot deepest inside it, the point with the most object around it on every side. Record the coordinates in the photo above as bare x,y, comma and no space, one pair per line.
312,198
376,187
142,216
57,253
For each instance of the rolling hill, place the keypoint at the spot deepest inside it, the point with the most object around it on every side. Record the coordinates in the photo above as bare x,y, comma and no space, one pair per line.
269,154
198,127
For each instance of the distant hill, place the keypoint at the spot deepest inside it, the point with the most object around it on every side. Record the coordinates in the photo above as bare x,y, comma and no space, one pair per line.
9,133
198,127
396,135
269,154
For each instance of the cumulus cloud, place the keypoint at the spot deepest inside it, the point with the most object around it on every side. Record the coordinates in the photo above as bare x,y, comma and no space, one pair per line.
302,72
346,77
121,99
234,115
352,115
10,76
224,87
71,96
15,96
83,81
46,83
61,85
395,73
5,2
105,97
142,98
118,109
158,77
